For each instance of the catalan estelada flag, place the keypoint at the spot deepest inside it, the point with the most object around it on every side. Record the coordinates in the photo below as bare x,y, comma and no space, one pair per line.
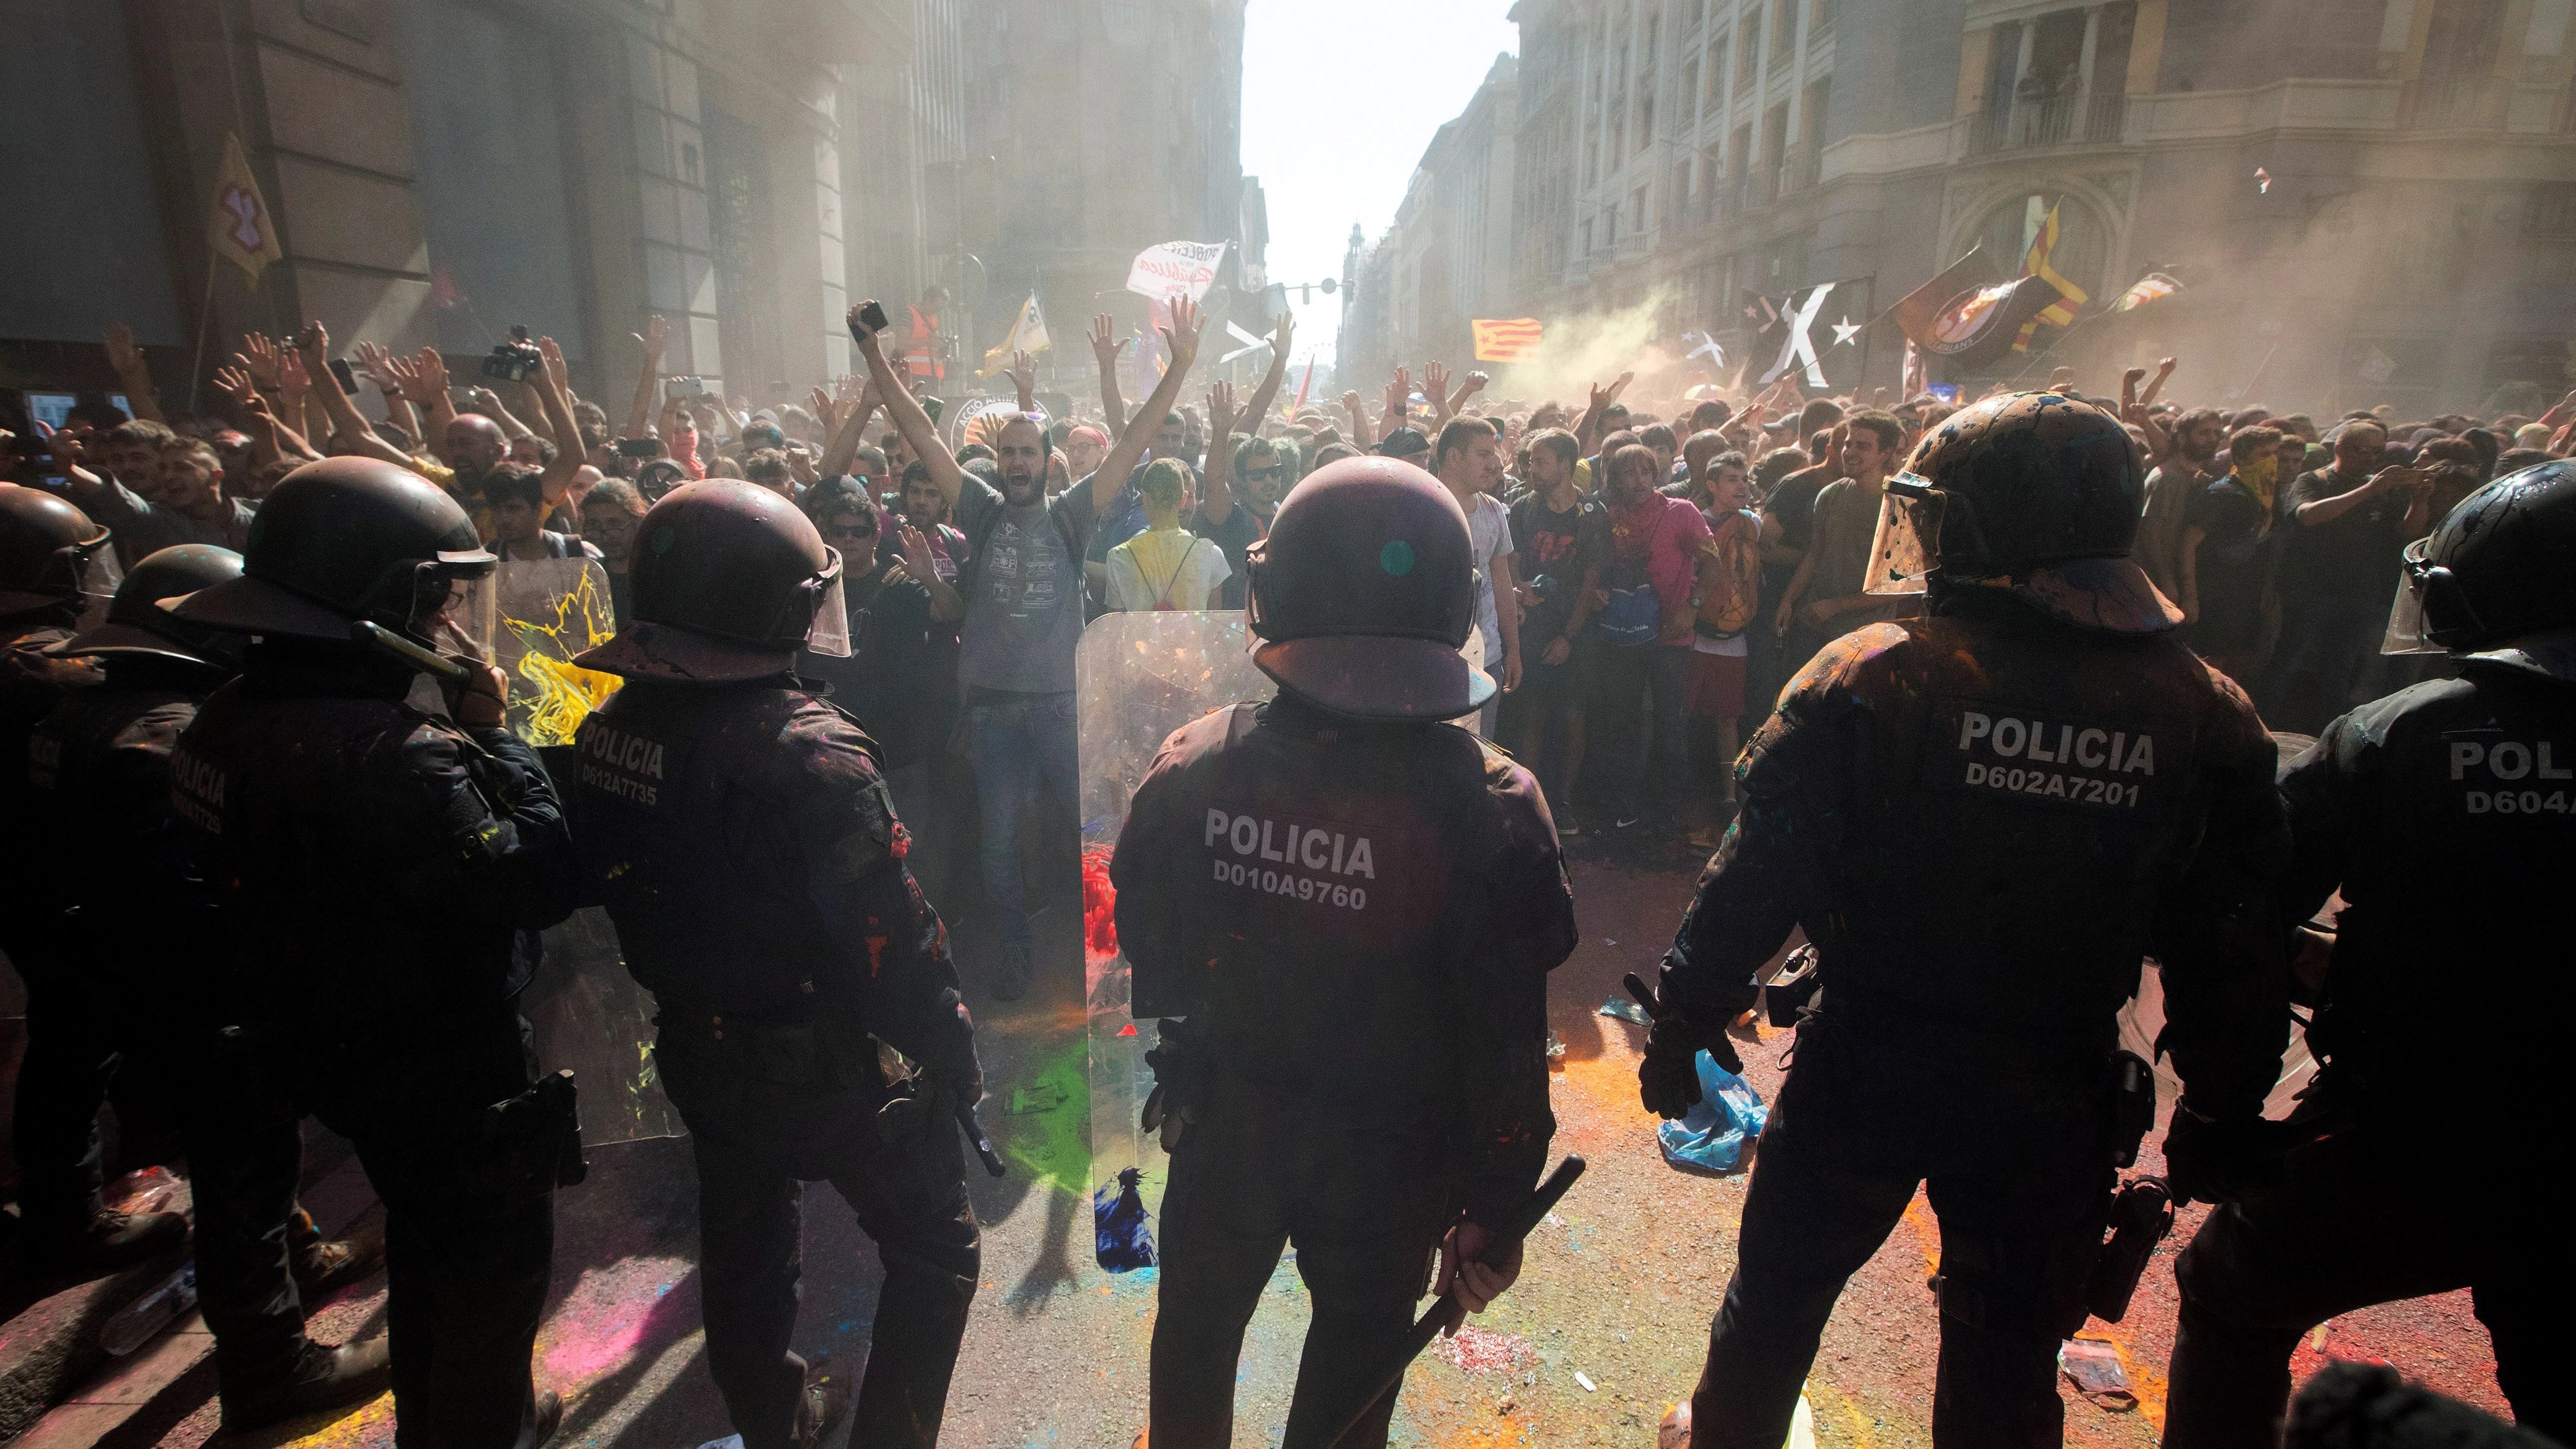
240,228
2061,312
1507,340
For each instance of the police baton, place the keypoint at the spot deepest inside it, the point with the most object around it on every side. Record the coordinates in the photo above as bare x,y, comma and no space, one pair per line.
975,1134
394,646
1519,1225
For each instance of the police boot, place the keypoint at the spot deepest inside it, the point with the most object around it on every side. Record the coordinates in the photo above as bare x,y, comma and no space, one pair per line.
545,1415
827,1398
315,1379
1674,1432
102,1242
322,1269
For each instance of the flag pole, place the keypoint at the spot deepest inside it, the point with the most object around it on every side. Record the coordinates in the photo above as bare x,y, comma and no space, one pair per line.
205,320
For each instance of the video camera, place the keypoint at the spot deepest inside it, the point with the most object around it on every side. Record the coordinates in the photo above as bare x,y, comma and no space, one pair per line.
516,360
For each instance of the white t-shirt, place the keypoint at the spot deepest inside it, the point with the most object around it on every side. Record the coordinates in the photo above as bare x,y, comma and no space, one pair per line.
1166,569
1489,527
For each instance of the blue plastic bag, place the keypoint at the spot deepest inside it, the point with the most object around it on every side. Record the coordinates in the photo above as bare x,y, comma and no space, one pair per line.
1123,1229
1714,1134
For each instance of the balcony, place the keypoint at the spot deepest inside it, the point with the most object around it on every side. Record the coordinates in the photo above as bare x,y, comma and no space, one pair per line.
2057,120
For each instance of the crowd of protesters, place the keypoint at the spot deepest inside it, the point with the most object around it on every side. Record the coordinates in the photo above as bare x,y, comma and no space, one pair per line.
1649,577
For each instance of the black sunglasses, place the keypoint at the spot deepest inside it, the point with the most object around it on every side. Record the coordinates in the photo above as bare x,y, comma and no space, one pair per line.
850,530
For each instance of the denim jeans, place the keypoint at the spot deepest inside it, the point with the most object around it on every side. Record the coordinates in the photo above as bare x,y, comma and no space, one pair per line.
1633,688
1022,746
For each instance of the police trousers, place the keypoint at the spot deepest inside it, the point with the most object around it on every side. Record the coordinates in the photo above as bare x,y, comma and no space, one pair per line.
770,1108
101,1023
469,1242
1365,1211
2336,1236
2019,1183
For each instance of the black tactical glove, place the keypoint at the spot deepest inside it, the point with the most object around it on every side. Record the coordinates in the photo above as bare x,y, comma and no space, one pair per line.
2223,1159
1668,1077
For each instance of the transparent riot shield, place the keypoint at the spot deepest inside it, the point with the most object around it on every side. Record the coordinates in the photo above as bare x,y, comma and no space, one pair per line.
588,1012
1141,676
550,610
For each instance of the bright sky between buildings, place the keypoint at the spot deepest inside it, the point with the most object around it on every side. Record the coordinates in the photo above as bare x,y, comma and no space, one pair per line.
1339,99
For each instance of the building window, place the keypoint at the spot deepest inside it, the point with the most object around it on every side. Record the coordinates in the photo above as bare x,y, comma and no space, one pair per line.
1748,48
1645,118
1784,31
1637,215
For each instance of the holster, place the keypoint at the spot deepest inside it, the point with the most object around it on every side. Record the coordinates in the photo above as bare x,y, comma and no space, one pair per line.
531,1143
1181,1069
2138,1213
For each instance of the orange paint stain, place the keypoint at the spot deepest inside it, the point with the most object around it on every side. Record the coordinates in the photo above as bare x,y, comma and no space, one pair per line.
1927,1233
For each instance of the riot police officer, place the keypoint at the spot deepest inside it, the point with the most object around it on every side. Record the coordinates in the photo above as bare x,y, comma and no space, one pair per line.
739,829
381,872
2446,815
1353,906
50,553
1983,819
134,944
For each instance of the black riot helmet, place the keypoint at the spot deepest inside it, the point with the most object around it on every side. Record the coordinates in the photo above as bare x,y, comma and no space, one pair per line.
729,581
1364,591
138,625
2500,567
351,539
2033,494
51,553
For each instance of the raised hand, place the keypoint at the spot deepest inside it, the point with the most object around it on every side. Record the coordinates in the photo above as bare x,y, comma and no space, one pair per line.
122,354
1024,373
260,358
313,344
1181,334
482,400
1475,384
1221,413
293,378
1435,382
1105,341
653,338
916,552
377,364
556,372
235,383
1350,402
1399,397
1283,332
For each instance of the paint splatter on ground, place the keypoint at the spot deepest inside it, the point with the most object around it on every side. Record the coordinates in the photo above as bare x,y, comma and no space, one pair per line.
1482,1351
1618,1286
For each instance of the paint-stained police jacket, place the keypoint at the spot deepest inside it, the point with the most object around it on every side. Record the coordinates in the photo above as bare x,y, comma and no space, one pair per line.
744,842
1358,919
2446,814
1984,820
379,871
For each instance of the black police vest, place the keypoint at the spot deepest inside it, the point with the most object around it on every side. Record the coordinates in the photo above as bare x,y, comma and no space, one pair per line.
1305,896
99,767
2024,796
309,819
679,816
2453,811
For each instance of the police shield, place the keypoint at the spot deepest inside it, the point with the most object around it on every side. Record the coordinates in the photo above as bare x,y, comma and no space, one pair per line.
550,610
588,1013
1140,676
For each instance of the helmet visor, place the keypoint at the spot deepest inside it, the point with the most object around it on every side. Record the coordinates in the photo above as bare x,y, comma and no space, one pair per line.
454,607
1907,546
830,634
95,565
2406,627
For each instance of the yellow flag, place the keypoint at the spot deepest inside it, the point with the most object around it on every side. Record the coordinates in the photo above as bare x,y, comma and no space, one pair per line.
1028,334
240,228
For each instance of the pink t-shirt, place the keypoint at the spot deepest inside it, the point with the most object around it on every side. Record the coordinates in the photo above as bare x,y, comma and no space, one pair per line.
1668,533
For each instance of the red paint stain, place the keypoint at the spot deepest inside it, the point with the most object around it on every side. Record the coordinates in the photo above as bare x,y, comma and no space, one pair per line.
1099,906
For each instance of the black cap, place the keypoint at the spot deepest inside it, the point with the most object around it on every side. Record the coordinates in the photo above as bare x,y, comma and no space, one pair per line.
1403,443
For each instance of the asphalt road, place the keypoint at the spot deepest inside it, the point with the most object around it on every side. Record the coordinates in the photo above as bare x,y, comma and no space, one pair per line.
1606,1328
